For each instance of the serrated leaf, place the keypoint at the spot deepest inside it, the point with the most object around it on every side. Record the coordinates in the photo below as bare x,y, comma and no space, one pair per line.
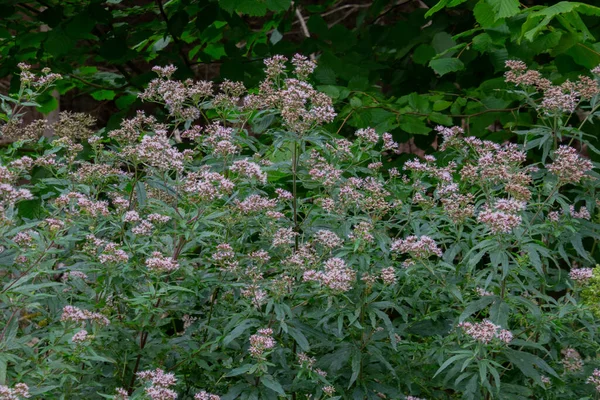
449,361
504,8
238,331
475,306
299,338
414,125
440,118
440,5
271,383
356,363
538,20
239,370
443,66
484,14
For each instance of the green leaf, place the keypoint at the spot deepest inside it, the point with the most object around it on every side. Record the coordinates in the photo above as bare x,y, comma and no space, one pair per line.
476,306
125,101
355,102
278,5
2,371
436,8
578,246
299,338
449,361
440,105
504,8
537,21
356,363
585,54
276,36
414,125
527,362
240,370
140,191
238,331
423,54
484,14
47,105
269,382
442,41
482,42
253,8
103,95
440,118
442,66
161,43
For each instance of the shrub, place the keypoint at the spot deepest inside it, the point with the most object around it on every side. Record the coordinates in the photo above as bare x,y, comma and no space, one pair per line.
240,248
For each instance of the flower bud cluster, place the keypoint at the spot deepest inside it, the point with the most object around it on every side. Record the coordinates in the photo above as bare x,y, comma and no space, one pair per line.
159,384
486,331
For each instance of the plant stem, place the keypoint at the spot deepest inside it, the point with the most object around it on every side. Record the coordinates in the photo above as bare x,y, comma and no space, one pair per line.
295,192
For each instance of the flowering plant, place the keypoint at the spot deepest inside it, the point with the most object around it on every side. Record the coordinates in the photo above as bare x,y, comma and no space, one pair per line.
238,247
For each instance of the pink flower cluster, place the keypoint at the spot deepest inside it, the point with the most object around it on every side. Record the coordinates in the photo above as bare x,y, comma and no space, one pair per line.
80,337
486,331
249,169
581,275
255,203
571,359
594,379
72,313
388,276
110,252
93,208
363,231
10,195
322,171
160,263
568,165
301,106
556,99
336,275
156,151
121,394
207,186
284,236
261,342
328,239
305,257
20,390
159,384
203,395
368,135
417,247
502,218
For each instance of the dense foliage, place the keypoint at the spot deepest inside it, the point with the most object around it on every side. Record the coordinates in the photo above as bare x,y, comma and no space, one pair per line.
371,53
239,248
190,239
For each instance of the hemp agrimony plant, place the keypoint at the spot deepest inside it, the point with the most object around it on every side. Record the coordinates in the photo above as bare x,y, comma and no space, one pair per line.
237,249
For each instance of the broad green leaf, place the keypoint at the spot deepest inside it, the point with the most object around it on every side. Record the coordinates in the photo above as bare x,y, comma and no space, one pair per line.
103,94
504,8
484,14
423,54
450,361
271,383
240,370
356,365
299,338
414,125
439,6
475,306
443,66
